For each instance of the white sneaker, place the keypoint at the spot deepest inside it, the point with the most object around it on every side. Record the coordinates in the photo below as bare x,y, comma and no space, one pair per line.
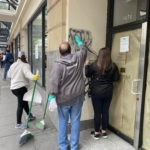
20,126
95,135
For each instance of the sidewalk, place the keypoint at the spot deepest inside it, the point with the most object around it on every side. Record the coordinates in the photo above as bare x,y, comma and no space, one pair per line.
43,140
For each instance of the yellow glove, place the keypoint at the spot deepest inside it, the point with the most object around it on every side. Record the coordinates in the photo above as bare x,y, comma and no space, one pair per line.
35,77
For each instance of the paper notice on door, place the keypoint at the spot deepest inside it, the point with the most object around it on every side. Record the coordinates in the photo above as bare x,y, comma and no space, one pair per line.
124,44
36,52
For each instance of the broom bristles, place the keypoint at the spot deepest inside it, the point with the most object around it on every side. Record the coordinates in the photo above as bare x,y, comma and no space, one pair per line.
25,137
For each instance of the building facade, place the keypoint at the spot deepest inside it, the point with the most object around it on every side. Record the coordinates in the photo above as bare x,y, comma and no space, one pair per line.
40,26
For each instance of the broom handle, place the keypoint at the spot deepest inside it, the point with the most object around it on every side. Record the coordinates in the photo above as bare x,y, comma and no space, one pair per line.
31,104
45,107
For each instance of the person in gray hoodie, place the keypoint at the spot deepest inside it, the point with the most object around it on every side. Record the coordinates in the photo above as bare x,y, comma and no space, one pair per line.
67,85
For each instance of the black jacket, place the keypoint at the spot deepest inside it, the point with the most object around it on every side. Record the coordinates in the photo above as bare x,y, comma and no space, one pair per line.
101,82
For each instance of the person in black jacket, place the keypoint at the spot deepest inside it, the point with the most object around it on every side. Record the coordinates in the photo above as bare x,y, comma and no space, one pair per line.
8,61
102,73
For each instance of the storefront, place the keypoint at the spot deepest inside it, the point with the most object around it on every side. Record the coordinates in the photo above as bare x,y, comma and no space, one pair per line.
127,35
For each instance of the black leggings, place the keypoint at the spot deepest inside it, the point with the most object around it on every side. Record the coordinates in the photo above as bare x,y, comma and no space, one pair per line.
21,104
101,103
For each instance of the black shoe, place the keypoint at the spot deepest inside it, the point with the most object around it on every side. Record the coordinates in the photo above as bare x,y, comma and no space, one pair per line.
104,134
96,136
92,132
32,118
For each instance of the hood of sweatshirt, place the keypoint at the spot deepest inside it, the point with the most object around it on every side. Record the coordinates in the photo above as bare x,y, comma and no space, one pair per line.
68,60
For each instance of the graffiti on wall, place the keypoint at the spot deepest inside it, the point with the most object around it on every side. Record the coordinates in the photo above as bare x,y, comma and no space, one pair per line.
85,35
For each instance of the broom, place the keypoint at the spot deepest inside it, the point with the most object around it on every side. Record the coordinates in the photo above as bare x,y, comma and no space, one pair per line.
41,124
27,135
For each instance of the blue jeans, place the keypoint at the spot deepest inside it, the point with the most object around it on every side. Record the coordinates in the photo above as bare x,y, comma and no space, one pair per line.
6,68
74,111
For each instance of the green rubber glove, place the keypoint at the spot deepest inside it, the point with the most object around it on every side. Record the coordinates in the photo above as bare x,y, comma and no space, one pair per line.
78,40
52,103
50,97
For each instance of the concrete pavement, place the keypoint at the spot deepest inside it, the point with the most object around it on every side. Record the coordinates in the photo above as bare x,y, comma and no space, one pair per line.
43,140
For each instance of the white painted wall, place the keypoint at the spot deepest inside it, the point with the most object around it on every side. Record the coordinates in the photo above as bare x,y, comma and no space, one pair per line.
26,11
29,8
89,15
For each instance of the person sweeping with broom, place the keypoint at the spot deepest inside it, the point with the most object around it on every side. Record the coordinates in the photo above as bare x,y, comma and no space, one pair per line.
20,74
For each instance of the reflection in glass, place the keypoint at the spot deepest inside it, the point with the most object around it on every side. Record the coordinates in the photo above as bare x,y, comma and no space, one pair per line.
126,11
37,47
46,42
17,46
4,5
46,39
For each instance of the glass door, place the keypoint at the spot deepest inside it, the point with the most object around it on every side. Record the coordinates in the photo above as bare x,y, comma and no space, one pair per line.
123,106
126,104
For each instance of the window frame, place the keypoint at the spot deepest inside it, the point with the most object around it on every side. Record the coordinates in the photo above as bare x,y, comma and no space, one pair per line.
30,44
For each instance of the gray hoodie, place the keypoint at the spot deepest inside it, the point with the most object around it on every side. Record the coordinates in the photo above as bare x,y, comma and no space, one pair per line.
66,79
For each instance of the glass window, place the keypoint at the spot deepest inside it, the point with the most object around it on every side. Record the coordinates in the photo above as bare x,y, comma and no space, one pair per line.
37,44
46,39
30,43
9,5
127,11
37,52
4,5
17,46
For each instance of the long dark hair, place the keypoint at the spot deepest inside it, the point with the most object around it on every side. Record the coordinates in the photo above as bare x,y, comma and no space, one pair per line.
23,59
103,60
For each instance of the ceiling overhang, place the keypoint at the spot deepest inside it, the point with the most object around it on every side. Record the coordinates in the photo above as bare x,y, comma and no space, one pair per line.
7,15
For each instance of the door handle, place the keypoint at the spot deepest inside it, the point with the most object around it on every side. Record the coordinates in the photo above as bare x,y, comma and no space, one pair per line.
135,87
